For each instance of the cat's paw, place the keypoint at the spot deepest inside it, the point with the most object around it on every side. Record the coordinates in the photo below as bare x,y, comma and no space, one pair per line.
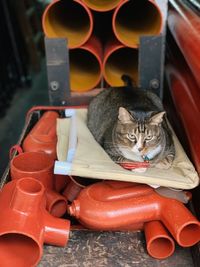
165,164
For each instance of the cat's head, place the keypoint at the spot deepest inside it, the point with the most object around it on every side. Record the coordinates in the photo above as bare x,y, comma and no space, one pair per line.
139,135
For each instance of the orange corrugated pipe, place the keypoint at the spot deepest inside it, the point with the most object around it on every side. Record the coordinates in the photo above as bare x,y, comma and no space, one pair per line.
68,19
25,225
112,205
132,19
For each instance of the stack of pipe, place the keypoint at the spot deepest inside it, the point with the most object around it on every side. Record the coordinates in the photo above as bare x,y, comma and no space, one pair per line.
106,53
183,72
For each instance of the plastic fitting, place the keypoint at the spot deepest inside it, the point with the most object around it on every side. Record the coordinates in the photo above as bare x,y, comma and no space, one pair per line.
39,166
42,137
113,205
25,224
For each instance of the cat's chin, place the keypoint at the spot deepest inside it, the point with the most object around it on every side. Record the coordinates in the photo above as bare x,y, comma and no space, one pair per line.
130,155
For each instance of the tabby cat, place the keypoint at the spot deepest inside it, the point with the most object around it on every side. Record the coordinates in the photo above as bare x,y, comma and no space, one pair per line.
130,124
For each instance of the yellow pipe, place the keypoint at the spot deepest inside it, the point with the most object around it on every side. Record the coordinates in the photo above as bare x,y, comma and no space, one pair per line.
119,60
133,19
102,5
68,19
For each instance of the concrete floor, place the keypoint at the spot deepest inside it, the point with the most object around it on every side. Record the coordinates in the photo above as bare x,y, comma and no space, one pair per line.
12,123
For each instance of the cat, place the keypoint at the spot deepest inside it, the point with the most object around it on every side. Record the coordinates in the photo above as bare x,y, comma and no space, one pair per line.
130,124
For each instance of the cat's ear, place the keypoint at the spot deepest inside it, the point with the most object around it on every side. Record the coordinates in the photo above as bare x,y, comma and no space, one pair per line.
124,116
157,118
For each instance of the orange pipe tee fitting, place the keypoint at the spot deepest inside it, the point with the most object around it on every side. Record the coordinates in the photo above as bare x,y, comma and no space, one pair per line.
113,205
39,166
43,136
25,224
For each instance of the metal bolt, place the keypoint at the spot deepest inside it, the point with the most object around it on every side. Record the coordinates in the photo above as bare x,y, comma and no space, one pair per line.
154,84
54,85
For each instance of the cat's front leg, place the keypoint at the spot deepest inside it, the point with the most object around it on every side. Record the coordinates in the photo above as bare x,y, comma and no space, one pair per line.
165,163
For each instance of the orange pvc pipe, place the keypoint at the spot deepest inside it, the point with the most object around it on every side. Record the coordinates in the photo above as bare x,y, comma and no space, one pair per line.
159,244
102,5
74,187
184,24
86,66
43,136
25,225
39,166
119,60
133,19
68,19
105,206
186,97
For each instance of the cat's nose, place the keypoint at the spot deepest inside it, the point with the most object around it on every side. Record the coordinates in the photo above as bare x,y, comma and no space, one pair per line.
140,149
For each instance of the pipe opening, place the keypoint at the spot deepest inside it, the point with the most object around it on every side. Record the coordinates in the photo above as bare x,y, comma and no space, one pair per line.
58,208
68,19
102,5
30,186
134,19
32,162
85,70
190,235
18,250
122,61
161,247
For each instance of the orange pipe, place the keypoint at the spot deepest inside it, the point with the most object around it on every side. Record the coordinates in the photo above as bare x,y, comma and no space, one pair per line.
86,66
68,19
39,166
119,60
102,5
133,19
186,97
184,25
25,224
74,187
159,244
43,136
112,205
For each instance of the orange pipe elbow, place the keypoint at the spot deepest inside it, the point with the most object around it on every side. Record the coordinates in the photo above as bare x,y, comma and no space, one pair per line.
25,225
39,165
43,136
126,207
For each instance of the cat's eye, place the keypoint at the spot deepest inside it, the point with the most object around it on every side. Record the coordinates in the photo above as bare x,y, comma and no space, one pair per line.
149,137
131,137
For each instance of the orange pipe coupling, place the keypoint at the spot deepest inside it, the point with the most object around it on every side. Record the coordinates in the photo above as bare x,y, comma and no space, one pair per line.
102,5
43,136
86,66
68,19
39,166
133,19
113,205
119,60
25,225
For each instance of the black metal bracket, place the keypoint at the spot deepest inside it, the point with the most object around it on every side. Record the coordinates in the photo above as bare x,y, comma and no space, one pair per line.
57,62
